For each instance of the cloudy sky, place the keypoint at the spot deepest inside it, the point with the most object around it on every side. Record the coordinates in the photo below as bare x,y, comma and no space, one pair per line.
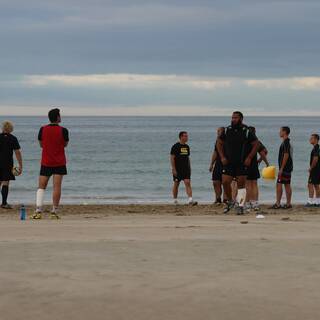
169,57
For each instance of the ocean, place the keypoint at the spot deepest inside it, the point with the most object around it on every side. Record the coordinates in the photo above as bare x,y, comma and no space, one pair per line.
126,159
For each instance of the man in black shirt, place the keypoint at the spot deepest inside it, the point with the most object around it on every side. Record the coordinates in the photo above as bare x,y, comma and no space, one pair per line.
181,168
8,145
285,162
314,173
216,169
236,148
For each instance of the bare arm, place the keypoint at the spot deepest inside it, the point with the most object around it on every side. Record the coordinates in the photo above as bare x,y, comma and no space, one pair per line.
221,151
284,161
19,159
253,152
213,160
314,162
263,157
173,164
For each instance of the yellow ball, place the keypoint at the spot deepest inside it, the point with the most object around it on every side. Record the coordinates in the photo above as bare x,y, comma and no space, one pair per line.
269,172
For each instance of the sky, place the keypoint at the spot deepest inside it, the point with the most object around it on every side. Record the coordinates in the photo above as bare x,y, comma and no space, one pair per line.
169,57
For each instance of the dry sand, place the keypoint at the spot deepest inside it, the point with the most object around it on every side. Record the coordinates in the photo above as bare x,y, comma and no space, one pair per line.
160,262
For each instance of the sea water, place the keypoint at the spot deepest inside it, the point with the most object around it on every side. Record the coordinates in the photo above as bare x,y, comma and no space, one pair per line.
126,159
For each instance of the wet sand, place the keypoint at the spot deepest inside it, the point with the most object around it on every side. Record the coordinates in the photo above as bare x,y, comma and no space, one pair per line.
160,262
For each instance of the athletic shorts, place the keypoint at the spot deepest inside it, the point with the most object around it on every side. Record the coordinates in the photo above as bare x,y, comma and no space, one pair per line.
314,177
253,172
182,175
6,174
235,170
217,172
285,178
49,171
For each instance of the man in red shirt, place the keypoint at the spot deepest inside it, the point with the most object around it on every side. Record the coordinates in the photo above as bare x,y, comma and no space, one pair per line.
53,140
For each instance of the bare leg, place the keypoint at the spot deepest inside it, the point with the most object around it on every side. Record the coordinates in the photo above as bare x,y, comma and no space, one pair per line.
43,182
317,190
234,190
187,184
57,182
288,193
255,191
217,189
279,193
249,195
311,190
175,189
226,182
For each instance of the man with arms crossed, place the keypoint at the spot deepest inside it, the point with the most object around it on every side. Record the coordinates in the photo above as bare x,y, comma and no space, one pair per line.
8,145
314,173
53,139
181,168
285,169
236,148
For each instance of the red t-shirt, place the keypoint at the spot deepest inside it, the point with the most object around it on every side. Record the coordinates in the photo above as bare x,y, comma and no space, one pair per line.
53,138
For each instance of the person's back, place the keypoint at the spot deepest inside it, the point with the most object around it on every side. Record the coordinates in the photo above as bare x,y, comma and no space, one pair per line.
53,138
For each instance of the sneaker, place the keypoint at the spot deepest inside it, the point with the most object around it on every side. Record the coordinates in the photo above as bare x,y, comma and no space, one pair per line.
6,206
192,203
36,216
259,216
309,205
175,202
54,216
228,206
240,211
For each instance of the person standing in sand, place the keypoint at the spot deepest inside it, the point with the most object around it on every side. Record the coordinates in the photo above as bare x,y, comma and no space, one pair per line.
285,161
53,140
181,167
216,169
236,148
314,173
252,200
8,145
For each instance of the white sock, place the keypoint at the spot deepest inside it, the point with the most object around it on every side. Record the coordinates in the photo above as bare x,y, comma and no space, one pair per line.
241,197
175,200
54,209
190,199
317,201
40,197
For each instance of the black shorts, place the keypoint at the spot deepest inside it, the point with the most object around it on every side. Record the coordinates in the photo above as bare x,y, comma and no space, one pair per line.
253,171
217,172
235,170
314,177
49,171
284,178
182,175
6,174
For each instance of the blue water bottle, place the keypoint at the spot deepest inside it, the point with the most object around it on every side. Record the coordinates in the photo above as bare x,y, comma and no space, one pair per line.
22,212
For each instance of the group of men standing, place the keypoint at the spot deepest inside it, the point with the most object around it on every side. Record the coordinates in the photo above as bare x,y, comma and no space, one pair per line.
235,167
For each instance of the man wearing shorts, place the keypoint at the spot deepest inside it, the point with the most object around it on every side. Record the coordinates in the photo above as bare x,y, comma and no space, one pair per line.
236,148
53,140
252,201
216,169
285,169
8,145
181,168
314,173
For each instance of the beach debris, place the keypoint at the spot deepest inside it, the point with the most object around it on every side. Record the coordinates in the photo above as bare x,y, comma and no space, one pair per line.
260,216
244,222
285,219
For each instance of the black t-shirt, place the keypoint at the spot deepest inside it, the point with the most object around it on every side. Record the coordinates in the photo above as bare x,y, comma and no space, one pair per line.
8,143
286,147
181,153
237,143
315,153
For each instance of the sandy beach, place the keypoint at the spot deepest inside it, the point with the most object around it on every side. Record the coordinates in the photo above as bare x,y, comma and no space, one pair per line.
160,262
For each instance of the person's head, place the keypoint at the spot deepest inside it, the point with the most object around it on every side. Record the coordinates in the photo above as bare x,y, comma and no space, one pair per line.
237,118
220,132
7,127
54,115
284,132
252,129
314,139
183,136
